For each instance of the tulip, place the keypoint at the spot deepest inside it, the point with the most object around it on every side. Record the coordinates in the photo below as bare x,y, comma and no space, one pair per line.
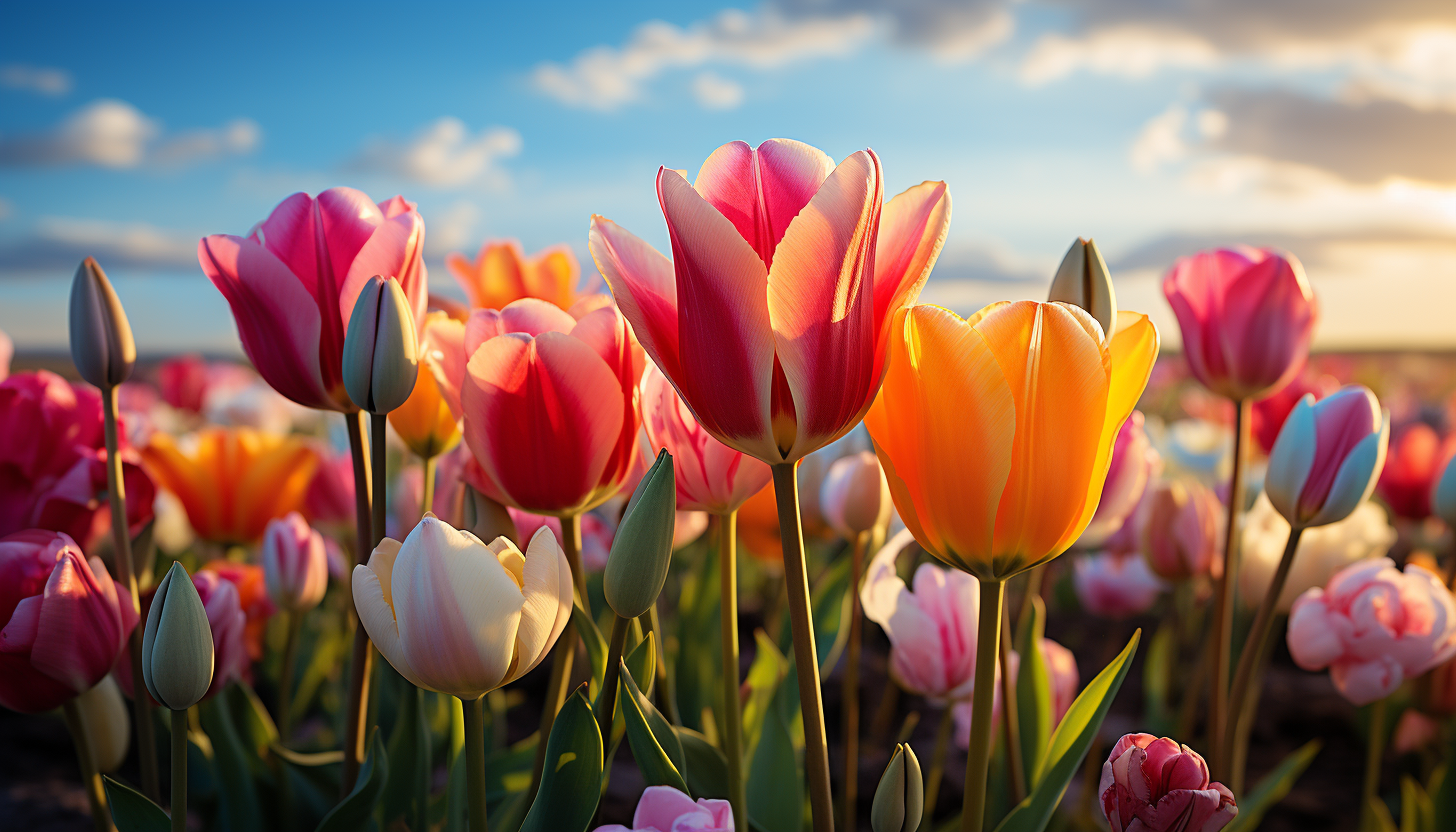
425,421
106,724
1082,280
1247,316
183,382
665,809
1327,457
101,343
295,565
1182,531
1270,412
642,547
1062,676
502,274
76,503
381,347
456,616
1322,551
900,797
1156,785
855,495
64,621
1374,626
596,535
1115,586
233,481
252,589
1132,467
177,655
1417,457
293,282
330,495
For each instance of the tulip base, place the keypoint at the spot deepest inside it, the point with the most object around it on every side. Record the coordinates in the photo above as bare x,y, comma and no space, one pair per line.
362,659
732,706
1223,609
978,754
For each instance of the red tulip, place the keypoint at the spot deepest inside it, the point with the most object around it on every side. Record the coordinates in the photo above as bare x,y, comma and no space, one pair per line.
1247,316
183,382
65,621
550,405
293,281
1269,413
772,318
1416,458
1155,785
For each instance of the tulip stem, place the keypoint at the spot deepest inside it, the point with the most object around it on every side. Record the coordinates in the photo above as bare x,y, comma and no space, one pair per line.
564,653
427,498
360,662
179,770
571,544
849,686
380,505
806,656
285,677
1223,610
978,753
1034,577
1374,754
1009,715
937,762
1246,679
732,704
90,776
475,762
607,701
121,542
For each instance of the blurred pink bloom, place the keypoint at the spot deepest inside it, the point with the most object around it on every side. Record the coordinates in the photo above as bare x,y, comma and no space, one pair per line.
1155,785
1413,732
64,621
183,382
855,496
596,534
7,351
295,563
1374,627
687,527
1134,463
665,809
1247,316
1062,672
1270,412
1115,586
1182,531
1328,456
293,281
330,497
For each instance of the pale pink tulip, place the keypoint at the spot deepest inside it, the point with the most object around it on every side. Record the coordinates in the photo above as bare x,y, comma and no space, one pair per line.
855,496
1062,673
1182,531
596,534
665,809
1156,785
1115,586
220,598
1134,464
295,563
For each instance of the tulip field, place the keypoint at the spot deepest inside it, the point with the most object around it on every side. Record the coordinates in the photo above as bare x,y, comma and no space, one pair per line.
739,535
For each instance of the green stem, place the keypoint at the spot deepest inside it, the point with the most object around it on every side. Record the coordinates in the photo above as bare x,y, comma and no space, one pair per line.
90,776
1374,754
427,499
285,677
179,771
1009,716
732,705
1034,579
126,572
1223,610
380,504
362,658
564,653
849,687
607,703
978,754
937,762
475,762
666,697
806,657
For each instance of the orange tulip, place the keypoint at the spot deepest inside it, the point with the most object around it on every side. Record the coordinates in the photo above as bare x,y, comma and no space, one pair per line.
502,273
425,421
996,431
233,481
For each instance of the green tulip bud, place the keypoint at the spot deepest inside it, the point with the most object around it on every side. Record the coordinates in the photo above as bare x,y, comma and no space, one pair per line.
642,547
900,797
381,349
101,343
177,643
1083,280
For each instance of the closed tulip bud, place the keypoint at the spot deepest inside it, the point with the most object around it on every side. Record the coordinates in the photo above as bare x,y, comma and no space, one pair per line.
1083,280
295,564
1443,496
177,643
1327,457
1183,530
1156,785
900,798
642,548
381,349
106,723
855,496
101,343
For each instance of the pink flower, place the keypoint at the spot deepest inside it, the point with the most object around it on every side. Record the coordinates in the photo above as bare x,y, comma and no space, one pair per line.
330,496
1328,456
1115,586
773,317
855,497
1247,316
710,475
64,621
1270,412
1182,531
1134,463
1062,672
225,616
1374,626
596,534
293,281
183,382
665,809
1156,785
295,563
77,505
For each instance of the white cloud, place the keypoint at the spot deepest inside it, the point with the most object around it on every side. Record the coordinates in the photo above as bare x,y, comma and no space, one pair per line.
1126,51
443,154
42,80
114,134
236,138
715,92
62,242
451,229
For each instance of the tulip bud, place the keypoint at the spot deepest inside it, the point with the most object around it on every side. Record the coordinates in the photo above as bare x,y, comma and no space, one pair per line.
101,343
381,349
900,798
106,723
295,564
1327,457
642,549
1083,280
1443,497
177,643
855,497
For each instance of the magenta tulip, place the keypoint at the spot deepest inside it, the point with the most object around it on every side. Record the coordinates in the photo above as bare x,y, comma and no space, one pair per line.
665,809
1134,463
1156,785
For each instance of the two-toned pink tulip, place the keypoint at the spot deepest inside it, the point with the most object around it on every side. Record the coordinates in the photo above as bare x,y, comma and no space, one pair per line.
292,283
1182,531
773,316
1247,317
1328,457
295,563
64,621
1135,462
1152,784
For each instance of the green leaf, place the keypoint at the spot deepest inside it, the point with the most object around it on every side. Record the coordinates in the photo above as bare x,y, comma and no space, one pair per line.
571,781
1034,693
775,786
1272,789
131,811
596,648
354,811
239,808
830,607
407,791
764,677
1417,814
313,760
655,745
707,773
255,727
642,661
696,660
1069,745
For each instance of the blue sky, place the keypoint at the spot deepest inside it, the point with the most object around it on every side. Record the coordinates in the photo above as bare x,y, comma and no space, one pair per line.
1155,126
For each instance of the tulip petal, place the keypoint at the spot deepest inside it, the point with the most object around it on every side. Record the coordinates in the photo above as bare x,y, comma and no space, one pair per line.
1356,478
761,191
913,228
880,591
528,315
659,808
371,599
1291,459
645,288
445,356
1269,318
546,583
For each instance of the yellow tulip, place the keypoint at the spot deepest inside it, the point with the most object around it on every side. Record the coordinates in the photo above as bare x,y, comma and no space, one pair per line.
996,431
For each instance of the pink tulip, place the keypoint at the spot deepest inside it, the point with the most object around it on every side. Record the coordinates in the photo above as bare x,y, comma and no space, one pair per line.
855,496
1182,531
1134,463
1374,626
1115,586
551,405
773,316
687,527
710,475
76,504
1156,785
295,563
330,497
293,281
1247,316
1062,673
596,535
665,809
1270,412
183,382
1328,456
64,621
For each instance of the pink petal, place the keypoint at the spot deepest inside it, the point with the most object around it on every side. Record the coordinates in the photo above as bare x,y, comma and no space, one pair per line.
393,250
79,629
761,191
660,806
645,287
913,227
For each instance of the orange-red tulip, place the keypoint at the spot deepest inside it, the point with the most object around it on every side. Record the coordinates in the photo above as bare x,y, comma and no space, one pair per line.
996,431
501,273
425,421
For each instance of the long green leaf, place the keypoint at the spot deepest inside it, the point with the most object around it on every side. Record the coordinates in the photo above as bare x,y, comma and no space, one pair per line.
1416,812
707,773
255,727
658,751
596,647
642,661
407,792
131,811
354,811
1272,789
1158,669
775,785
571,781
1034,693
764,677
239,808
1069,745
